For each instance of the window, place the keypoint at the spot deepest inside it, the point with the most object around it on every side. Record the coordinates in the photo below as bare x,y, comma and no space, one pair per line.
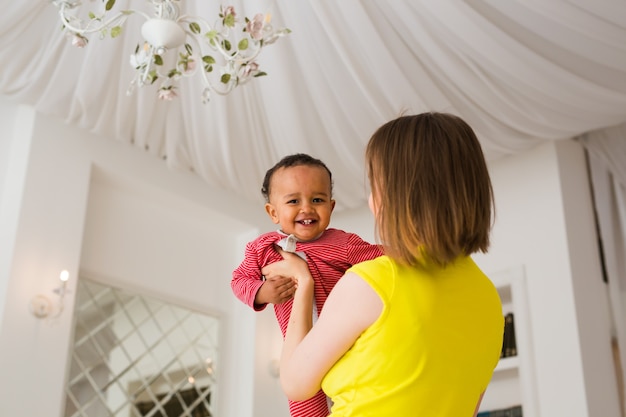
135,356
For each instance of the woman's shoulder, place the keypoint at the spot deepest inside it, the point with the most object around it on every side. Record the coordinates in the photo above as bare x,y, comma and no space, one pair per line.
379,273
383,261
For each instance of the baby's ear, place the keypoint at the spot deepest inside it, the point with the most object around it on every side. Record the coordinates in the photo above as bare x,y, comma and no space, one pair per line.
332,205
271,211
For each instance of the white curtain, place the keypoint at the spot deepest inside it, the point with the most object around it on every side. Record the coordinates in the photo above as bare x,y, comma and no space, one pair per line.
519,72
607,151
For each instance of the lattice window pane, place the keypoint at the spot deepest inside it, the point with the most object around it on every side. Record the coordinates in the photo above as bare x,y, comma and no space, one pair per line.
136,356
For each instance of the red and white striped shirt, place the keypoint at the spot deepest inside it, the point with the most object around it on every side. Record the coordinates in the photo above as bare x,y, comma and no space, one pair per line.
328,257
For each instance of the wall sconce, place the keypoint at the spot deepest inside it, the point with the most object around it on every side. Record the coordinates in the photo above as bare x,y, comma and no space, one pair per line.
42,306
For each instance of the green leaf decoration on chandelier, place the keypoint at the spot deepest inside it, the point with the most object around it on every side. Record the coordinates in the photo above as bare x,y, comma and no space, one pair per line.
208,60
152,76
109,5
116,31
229,20
194,27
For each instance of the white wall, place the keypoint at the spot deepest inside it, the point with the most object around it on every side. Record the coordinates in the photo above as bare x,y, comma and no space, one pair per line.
16,128
545,224
117,215
47,239
93,206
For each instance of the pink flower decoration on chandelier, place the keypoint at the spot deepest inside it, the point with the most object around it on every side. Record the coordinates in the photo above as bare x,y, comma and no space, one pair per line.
255,27
250,69
167,94
189,66
79,41
230,11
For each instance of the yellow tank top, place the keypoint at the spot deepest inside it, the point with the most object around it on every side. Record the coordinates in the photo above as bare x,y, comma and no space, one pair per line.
431,352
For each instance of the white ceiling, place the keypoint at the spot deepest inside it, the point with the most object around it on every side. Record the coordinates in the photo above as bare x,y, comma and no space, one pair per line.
520,72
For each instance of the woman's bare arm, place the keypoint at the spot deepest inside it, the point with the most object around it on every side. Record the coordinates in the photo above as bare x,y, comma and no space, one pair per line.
310,351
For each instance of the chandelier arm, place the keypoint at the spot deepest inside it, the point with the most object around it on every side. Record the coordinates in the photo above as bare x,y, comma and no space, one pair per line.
87,28
217,45
239,79
146,71
207,82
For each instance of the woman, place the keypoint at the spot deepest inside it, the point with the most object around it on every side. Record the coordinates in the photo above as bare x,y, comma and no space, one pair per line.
418,331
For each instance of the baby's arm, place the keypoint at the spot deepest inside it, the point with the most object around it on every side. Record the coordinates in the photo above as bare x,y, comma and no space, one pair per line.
250,287
358,250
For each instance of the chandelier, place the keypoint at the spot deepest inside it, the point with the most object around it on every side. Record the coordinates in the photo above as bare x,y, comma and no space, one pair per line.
176,46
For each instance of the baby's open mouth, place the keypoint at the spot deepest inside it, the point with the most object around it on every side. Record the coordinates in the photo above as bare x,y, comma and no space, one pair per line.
306,222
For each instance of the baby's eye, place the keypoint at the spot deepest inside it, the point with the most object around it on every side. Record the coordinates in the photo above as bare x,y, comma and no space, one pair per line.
294,201
318,200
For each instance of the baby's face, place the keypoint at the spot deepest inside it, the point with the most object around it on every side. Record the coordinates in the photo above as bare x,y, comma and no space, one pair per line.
300,201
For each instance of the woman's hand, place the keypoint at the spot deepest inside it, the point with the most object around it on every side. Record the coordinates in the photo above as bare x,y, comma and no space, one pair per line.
275,290
291,266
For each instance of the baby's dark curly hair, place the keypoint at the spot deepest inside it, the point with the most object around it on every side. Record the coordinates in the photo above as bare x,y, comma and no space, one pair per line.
292,161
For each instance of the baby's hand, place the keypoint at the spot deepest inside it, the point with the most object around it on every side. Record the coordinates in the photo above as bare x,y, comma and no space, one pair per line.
275,290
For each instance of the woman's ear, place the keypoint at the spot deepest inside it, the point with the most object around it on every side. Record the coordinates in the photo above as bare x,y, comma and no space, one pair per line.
271,211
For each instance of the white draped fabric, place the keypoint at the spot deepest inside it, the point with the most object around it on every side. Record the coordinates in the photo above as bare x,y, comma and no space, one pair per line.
520,72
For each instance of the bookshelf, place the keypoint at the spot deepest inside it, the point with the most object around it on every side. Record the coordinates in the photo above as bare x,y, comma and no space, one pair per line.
512,383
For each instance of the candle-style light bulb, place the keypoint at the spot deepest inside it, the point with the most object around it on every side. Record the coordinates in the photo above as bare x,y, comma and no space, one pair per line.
64,276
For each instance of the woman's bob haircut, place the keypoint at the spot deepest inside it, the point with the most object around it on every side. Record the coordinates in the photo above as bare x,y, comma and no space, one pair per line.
431,188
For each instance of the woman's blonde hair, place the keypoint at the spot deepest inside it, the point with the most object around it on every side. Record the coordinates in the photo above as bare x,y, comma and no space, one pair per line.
430,182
